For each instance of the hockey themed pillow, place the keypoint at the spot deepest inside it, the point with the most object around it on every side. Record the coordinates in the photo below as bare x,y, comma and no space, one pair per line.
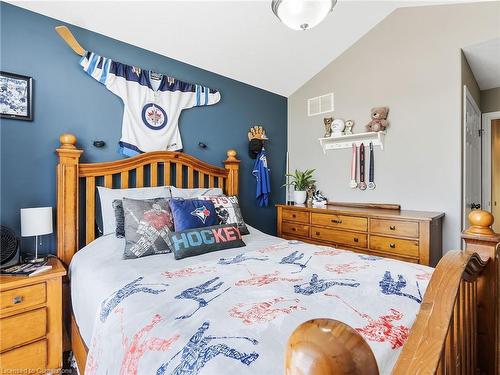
192,213
147,225
105,214
228,211
197,241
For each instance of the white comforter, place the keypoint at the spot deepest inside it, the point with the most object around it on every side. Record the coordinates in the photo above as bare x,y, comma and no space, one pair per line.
231,312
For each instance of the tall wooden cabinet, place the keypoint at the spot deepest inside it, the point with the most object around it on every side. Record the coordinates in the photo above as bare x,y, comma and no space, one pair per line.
412,236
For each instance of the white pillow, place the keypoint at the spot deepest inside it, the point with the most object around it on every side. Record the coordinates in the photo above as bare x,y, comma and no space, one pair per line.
194,193
107,196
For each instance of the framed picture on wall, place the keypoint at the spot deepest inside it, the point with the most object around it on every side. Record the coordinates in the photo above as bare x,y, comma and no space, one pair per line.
16,96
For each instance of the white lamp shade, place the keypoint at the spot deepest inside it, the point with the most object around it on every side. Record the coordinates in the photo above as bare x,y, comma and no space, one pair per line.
302,14
36,221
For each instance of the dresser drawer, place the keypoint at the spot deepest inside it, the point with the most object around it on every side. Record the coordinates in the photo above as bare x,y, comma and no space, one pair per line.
394,227
297,216
340,221
339,237
20,298
18,329
394,246
32,356
295,229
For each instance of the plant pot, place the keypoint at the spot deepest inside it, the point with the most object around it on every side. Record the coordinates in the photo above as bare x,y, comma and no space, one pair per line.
299,196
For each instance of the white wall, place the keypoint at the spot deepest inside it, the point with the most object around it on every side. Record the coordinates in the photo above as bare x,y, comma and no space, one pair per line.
410,62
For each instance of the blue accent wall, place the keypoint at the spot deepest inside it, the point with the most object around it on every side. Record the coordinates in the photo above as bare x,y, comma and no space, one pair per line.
66,100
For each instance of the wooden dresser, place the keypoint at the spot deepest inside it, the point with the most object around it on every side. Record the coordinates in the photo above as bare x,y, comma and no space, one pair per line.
31,321
412,236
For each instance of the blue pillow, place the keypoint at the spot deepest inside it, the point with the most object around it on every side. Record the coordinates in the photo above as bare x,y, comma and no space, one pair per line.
192,213
199,241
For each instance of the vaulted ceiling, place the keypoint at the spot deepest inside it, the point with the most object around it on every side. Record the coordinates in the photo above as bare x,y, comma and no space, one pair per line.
484,60
242,40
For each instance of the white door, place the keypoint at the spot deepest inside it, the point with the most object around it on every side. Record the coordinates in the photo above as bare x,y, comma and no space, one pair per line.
471,156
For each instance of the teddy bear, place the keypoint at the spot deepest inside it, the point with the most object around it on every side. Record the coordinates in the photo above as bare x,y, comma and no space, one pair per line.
379,119
328,126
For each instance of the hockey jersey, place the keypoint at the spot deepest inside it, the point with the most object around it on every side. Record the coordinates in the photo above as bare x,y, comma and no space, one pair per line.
261,173
152,103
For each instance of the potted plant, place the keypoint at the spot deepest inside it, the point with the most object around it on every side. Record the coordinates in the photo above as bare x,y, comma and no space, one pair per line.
301,181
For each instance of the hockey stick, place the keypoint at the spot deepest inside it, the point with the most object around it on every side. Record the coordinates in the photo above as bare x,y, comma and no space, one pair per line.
70,40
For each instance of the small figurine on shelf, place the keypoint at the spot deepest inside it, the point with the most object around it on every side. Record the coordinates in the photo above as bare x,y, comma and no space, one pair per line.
348,127
379,119
310,192
328,126
338,126
319,199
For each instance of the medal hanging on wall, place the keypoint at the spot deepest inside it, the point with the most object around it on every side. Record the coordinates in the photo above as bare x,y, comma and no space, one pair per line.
362,183
354,184
371,172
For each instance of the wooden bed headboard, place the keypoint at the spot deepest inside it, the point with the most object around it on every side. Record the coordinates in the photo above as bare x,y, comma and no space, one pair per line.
159,168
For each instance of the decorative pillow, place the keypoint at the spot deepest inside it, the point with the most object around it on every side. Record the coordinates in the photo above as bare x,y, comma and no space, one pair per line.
192,213
106,216
147,225
197,241
119,218
228,211
194,193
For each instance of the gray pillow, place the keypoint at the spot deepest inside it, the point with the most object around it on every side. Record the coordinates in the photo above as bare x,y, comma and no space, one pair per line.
105,215
197,241
147,225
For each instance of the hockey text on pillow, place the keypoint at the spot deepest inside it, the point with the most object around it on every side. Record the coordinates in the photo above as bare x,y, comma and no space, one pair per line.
153,103
205,236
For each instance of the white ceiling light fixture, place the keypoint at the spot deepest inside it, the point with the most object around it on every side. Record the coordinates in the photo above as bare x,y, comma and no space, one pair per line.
302,14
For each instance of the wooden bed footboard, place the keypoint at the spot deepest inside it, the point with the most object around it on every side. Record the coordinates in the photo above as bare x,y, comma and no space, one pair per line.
457,328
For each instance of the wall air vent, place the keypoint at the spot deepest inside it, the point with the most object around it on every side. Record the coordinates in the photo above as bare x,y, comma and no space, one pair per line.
320,104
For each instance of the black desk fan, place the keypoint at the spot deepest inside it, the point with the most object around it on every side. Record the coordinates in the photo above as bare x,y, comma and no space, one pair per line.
9,246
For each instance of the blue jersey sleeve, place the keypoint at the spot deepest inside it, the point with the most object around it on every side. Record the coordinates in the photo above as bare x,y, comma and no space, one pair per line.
98,67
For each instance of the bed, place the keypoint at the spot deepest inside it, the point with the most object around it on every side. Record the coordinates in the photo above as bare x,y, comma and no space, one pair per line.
414,319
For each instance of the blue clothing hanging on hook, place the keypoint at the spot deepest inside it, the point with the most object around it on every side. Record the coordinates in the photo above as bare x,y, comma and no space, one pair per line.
261,173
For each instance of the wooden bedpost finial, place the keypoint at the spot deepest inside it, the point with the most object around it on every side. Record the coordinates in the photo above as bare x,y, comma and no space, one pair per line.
232,164
67,141
328,346
480,223
231,155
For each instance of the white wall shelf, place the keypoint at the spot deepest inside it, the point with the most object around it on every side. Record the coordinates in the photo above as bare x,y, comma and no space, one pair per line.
346,141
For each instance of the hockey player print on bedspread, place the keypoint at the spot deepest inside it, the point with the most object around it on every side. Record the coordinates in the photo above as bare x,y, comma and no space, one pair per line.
152,103
233,314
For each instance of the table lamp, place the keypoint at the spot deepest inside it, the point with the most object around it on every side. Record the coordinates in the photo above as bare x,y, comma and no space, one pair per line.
36,222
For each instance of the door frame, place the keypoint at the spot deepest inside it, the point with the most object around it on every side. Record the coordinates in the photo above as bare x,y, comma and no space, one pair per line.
468,96
486,146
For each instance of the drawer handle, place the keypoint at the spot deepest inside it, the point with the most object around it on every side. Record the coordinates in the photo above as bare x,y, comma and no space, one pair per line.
294,229
336,221
318,233
356,239
294,216
392,227
392,245
17,300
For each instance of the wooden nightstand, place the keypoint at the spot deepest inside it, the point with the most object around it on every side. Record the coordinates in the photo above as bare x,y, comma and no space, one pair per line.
31,320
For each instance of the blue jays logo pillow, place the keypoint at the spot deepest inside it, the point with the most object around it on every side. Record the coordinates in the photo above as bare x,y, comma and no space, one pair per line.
197,241
192,213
